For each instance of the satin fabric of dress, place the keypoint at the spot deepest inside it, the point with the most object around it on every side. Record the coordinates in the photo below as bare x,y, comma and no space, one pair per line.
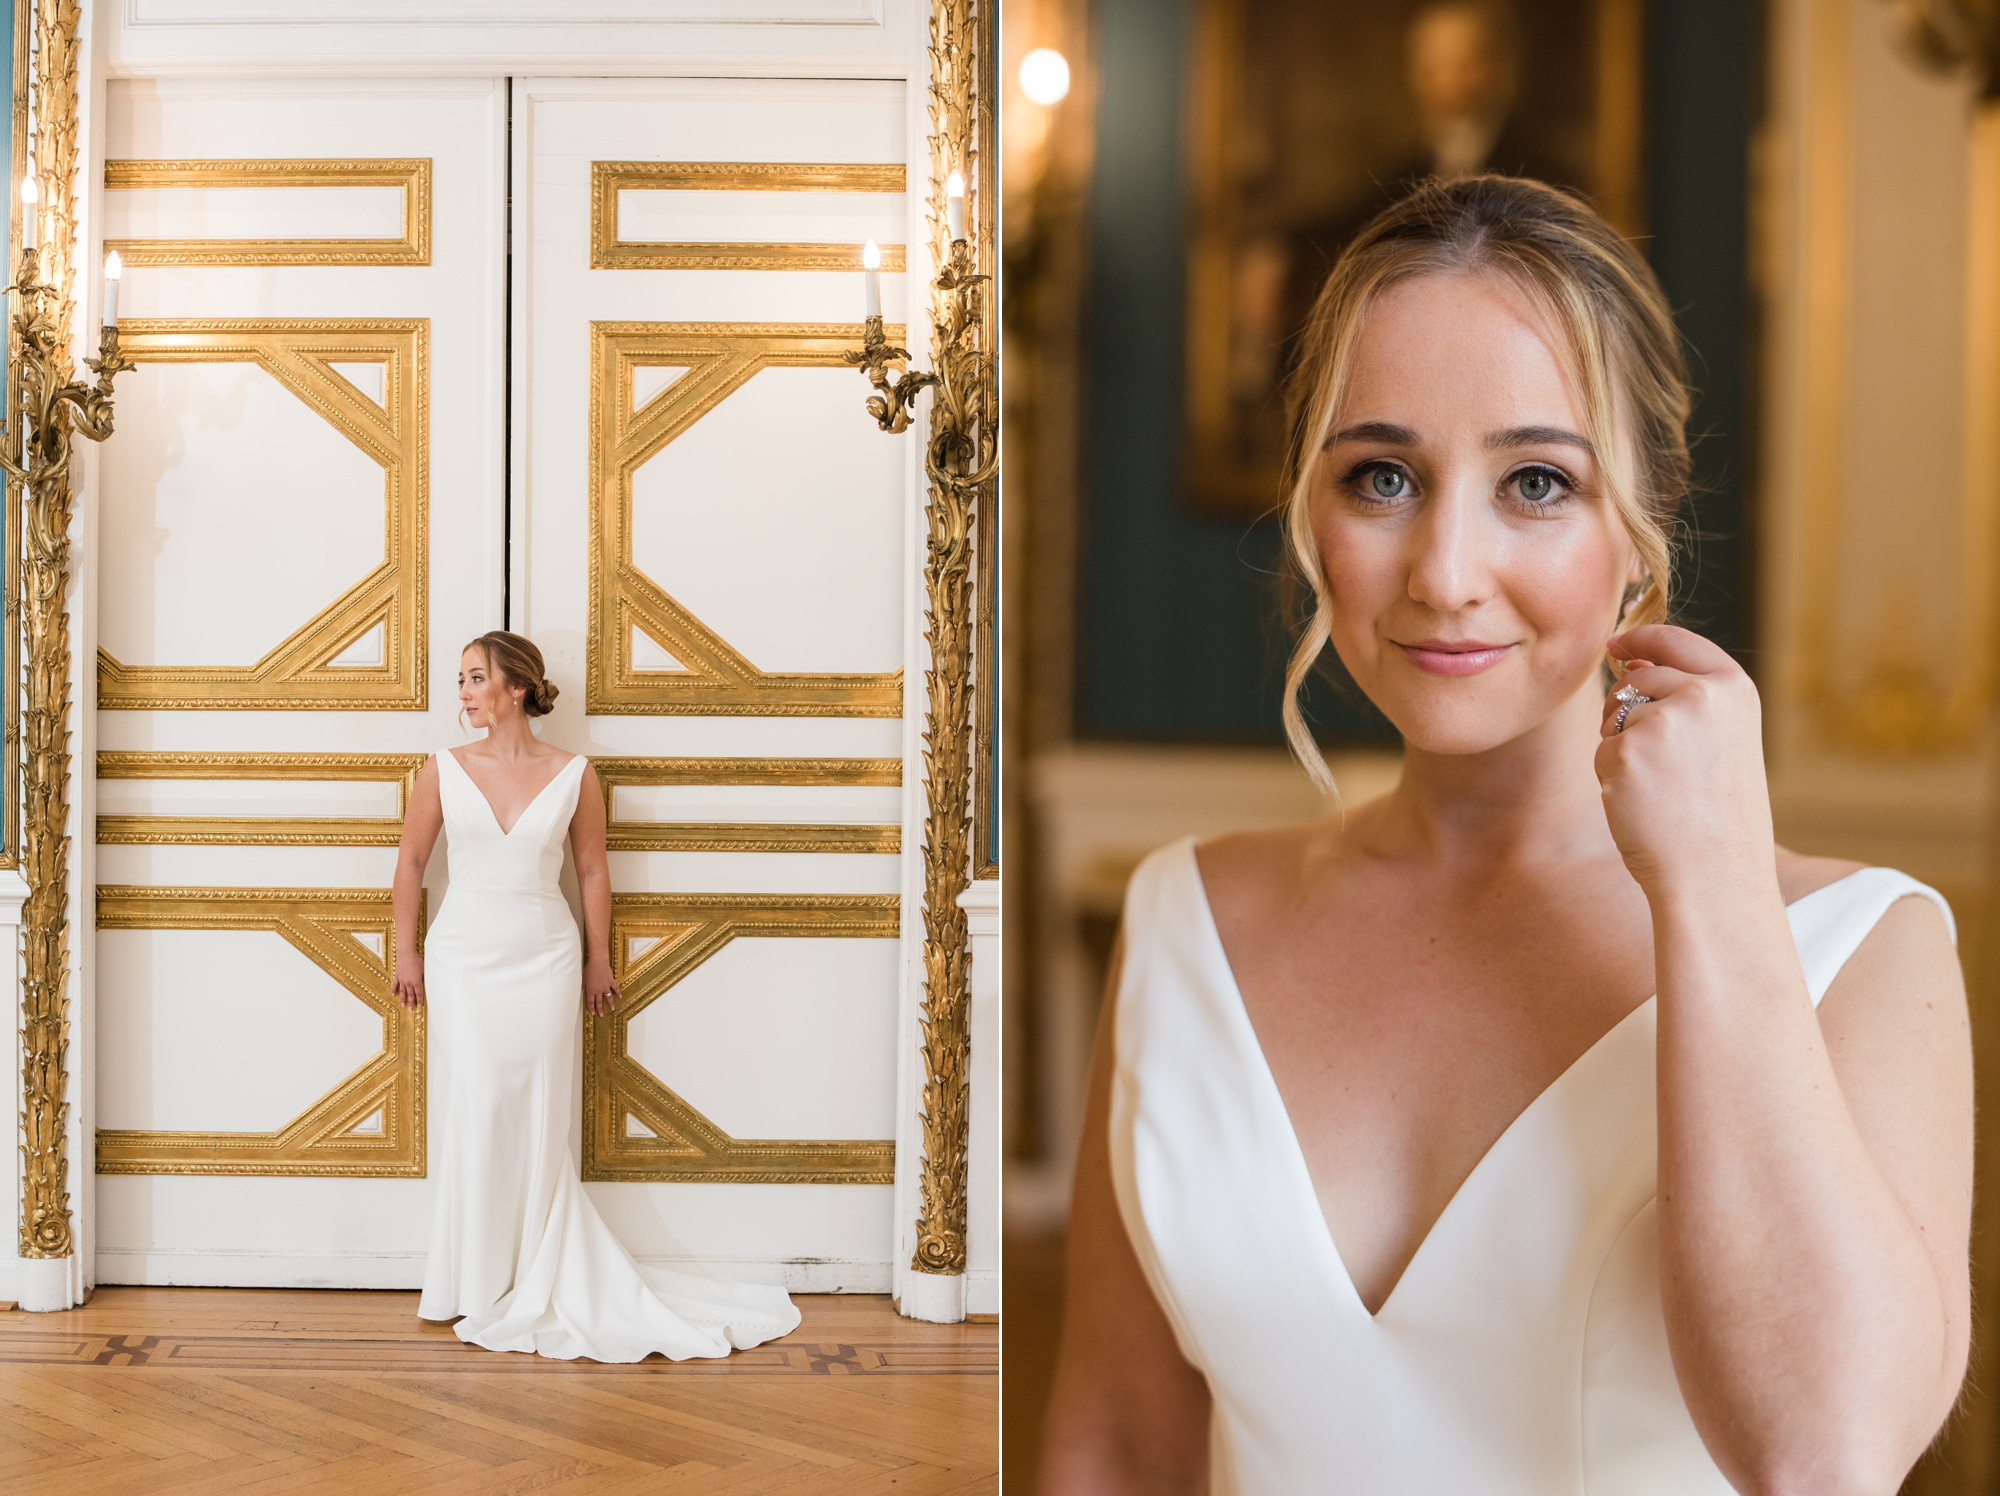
1523,1351
517,1247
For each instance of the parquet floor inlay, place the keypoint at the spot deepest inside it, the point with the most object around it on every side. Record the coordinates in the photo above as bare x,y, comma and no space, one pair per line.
261,1392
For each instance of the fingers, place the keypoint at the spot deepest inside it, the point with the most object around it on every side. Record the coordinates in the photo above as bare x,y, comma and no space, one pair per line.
1663,643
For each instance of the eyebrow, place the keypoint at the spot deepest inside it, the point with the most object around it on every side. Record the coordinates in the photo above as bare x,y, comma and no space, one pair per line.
1537,436
1387,432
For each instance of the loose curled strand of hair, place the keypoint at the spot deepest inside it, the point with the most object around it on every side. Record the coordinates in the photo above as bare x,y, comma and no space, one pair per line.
1592,287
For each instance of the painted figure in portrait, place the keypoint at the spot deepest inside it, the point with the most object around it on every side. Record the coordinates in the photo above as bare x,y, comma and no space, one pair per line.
1309,115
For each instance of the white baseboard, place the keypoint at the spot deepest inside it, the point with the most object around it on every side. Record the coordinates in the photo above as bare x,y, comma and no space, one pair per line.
982,1292
405,1270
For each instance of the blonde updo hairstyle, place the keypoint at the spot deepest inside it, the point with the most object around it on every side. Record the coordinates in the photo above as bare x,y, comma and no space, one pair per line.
1631,377
516,661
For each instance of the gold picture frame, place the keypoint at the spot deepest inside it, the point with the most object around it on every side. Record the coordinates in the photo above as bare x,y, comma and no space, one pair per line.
1302,121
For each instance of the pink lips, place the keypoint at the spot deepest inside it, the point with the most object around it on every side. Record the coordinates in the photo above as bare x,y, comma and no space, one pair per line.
1453,657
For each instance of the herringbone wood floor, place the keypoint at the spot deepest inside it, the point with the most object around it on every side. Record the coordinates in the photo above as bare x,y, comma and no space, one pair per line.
258,1392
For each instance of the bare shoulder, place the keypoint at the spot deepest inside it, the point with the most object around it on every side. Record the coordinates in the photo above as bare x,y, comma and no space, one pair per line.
1262,871
1799,875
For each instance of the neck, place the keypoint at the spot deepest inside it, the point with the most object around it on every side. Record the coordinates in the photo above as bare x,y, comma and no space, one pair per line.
509,736
1533,799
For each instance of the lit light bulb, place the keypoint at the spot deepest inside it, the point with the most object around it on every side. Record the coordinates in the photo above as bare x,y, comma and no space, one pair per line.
954,205
871,256
1045,76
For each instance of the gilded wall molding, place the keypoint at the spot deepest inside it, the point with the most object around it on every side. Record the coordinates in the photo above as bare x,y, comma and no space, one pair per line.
412,176
322,924
1900,695
54,410
297,674
720,358
609,178
961,461
685,1145
399,769
747,836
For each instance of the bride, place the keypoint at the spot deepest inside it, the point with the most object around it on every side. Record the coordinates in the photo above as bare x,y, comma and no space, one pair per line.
1542,1126
519,1256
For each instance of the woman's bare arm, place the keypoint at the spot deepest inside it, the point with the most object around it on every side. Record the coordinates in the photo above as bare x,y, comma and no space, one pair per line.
593,881
1815,1168
1129,1416
422,821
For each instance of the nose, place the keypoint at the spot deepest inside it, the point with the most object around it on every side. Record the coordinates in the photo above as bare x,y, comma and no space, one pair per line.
1449,561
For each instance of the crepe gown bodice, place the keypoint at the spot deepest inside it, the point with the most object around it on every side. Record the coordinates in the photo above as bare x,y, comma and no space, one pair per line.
517,1247
1524,1350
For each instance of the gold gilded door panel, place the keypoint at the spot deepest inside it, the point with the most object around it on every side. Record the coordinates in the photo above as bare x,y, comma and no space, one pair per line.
304,670
372,1123
715,678
635,1126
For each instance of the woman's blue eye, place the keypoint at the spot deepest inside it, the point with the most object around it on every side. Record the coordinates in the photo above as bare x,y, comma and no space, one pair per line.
1537,485
1387,483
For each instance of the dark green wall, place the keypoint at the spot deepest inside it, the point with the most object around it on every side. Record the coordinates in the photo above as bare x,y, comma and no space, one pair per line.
1179,635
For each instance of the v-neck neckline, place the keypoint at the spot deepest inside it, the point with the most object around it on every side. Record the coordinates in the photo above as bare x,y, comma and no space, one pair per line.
491,814
1220,954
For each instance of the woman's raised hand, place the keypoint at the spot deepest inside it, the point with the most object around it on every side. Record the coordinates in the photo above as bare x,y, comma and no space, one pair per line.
408,982
1684,786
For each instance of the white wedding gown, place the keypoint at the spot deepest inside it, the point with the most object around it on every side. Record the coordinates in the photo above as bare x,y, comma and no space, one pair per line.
1524,1350
517,1248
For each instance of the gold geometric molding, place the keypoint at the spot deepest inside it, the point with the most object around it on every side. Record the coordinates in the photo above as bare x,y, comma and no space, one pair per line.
297,674
720,358
685,1145
609,178
748,836
399,769
413,176
321,923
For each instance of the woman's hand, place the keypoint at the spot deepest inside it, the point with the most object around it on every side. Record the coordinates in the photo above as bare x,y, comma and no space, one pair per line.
1684,786
600,992
408,982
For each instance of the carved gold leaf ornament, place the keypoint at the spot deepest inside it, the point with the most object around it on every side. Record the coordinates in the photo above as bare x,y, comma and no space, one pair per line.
412,176
961,461
688,929
321,923
609,178
298,674
54,408
720,358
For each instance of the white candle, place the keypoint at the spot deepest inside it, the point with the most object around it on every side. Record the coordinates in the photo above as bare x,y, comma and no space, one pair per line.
113,268
954,206
30,197
871,277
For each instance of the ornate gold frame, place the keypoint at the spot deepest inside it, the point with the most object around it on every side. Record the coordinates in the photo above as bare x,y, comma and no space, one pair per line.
686,1146
258,831
295,675
749,836
609,178
413,176
321,923
720,358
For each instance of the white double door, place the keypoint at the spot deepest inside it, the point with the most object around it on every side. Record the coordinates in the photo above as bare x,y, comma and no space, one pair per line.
417,360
